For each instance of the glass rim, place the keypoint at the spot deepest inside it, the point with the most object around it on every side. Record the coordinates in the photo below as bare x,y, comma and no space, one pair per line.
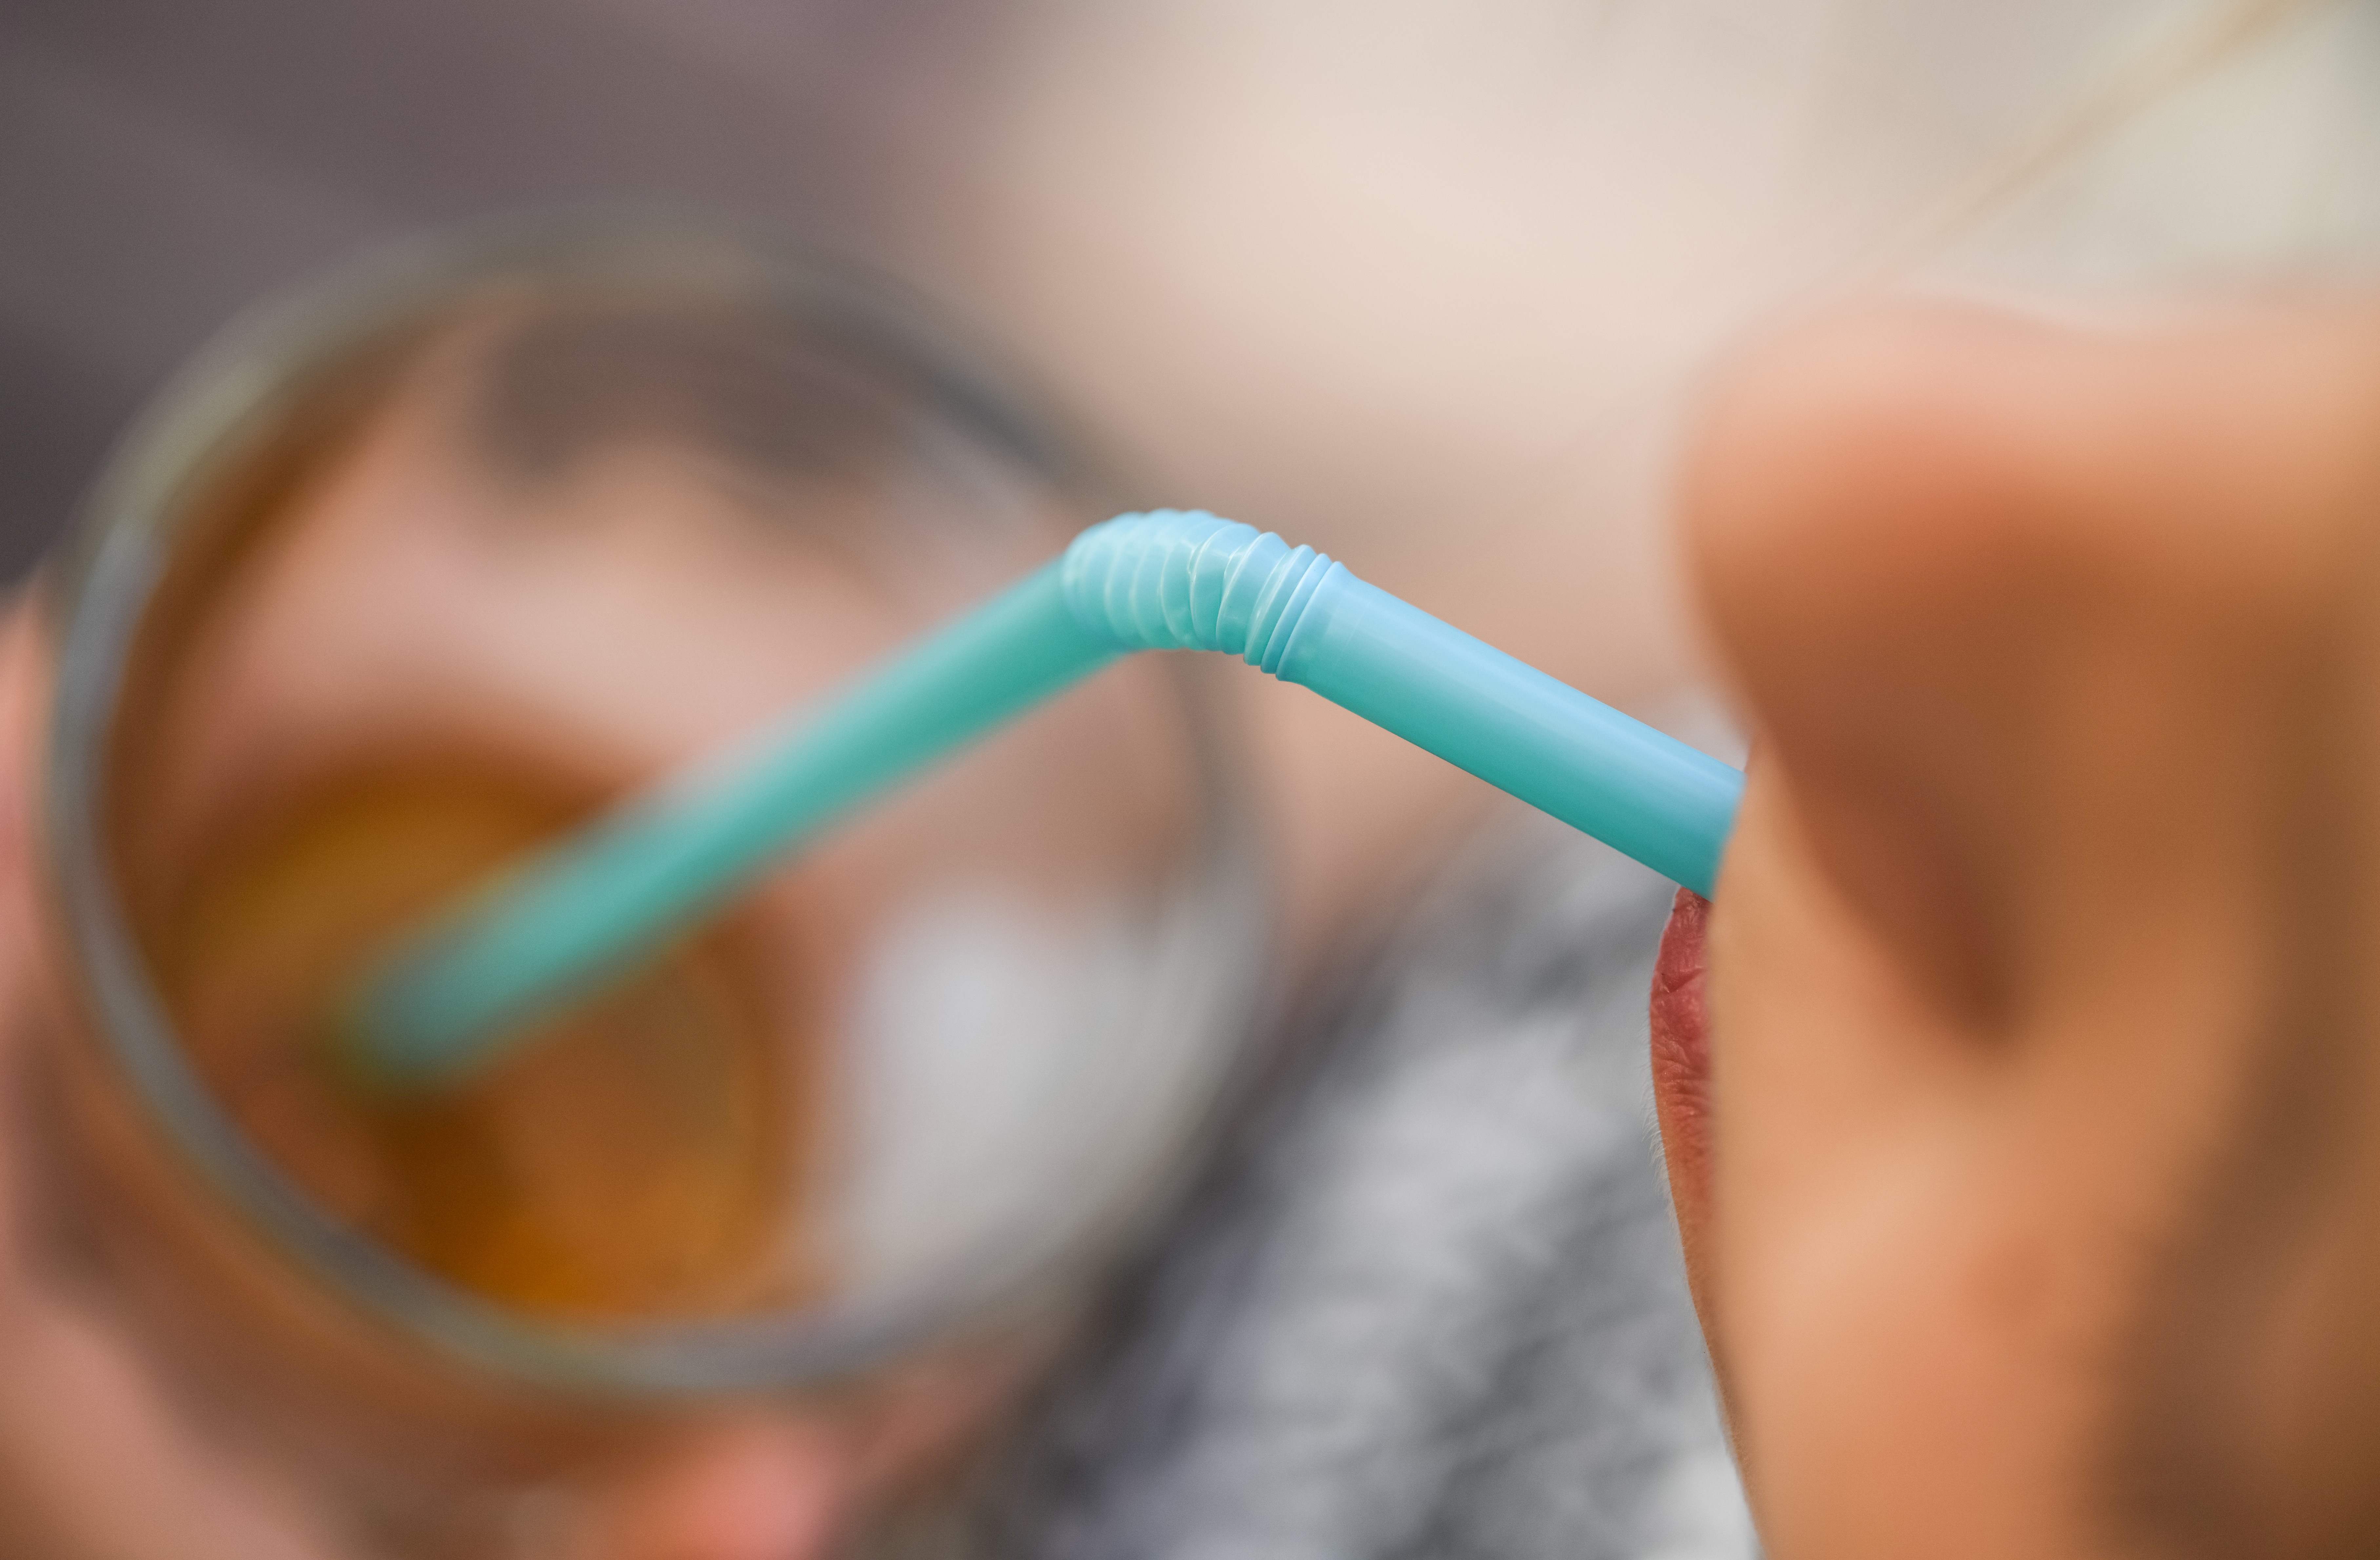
233,392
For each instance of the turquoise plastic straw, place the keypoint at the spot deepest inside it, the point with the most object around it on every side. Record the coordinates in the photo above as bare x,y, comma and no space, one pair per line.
540,938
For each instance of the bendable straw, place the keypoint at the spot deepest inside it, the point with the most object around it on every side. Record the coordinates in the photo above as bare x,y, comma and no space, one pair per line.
450,999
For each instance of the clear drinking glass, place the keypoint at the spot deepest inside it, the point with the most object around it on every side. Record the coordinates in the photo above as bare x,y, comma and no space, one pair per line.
406,574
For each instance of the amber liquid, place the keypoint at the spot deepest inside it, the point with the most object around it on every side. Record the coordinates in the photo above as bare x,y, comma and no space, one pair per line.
630,1161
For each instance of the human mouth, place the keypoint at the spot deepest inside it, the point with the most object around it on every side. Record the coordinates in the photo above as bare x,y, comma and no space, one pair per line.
1681,1053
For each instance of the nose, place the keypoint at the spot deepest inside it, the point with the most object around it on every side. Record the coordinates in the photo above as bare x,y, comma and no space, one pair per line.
2012,638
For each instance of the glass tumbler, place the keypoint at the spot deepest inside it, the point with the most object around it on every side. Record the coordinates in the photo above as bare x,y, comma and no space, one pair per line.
404,576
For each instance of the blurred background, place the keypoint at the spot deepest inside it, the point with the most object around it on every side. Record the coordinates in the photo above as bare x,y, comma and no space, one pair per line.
1418,283
1425,284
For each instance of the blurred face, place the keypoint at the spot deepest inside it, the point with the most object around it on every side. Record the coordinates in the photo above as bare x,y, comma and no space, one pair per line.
2022,1085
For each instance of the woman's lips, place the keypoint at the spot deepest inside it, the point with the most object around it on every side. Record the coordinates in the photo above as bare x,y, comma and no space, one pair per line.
1680,1032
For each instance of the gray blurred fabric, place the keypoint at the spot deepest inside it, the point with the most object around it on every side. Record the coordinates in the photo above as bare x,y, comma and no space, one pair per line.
1429,1301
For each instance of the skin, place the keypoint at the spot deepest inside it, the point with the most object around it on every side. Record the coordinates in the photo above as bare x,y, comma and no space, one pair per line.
2024,1104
